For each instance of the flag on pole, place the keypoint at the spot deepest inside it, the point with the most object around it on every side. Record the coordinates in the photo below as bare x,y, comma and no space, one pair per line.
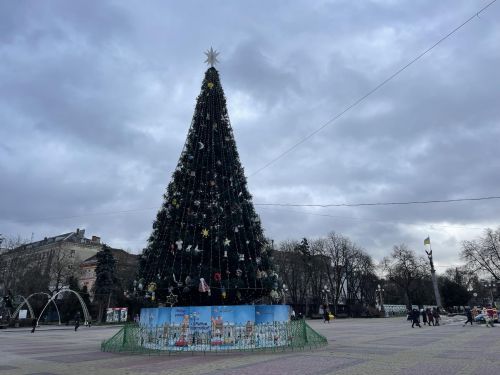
427,241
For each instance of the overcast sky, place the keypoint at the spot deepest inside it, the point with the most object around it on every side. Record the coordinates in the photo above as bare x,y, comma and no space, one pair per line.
96,99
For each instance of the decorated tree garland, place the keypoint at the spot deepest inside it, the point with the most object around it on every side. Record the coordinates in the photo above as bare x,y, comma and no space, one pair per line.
207,246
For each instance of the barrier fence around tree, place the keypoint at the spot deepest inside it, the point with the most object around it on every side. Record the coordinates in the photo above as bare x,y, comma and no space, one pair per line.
292,335
214,328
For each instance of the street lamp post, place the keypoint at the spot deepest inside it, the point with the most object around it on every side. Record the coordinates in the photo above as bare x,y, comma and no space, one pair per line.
380,292
325,293
285,290
427,241
491,285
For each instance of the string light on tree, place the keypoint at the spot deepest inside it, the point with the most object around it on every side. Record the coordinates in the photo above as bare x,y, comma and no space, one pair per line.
207,243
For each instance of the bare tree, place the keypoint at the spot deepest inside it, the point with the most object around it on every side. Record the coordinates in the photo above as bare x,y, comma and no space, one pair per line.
338,253
405,269
483,254
60,268
18,273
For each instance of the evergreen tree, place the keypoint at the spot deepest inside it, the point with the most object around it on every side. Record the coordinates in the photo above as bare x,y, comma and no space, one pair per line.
105,278
207,245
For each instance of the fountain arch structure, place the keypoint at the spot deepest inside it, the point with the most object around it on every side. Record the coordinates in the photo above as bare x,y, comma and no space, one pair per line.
26,302
86,314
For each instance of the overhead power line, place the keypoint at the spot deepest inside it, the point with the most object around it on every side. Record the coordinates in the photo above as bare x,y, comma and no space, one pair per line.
377,204
373,90
270,205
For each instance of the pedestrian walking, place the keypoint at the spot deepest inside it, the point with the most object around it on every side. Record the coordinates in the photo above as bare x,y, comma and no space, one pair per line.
435,314
430,317
424,317
326,316
468,313
415,318
77,320
33,324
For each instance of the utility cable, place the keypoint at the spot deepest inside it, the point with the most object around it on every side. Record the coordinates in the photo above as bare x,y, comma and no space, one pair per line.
376,88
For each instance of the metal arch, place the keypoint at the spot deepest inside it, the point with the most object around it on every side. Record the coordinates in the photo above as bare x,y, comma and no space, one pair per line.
31,311
18,308
86,314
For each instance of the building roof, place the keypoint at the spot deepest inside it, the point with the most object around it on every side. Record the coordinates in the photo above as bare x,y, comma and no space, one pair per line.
121,256
77,236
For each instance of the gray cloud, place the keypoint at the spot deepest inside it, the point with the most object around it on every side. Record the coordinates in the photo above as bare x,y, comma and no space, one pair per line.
97,101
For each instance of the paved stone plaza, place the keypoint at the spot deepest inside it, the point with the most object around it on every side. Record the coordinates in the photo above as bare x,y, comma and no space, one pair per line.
378,346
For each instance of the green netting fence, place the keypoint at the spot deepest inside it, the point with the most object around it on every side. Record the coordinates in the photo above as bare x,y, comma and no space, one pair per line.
293,335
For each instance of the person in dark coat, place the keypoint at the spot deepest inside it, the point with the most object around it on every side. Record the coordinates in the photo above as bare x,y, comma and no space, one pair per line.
33,325
436,315
415,318
326,315
430,317
468,313
77,320
424,317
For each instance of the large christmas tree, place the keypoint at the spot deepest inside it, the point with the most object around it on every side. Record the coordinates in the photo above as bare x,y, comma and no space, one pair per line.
207,246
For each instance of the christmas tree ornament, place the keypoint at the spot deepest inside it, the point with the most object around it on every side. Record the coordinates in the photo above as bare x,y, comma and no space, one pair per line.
171,299
210,85
192,173
211,57
242,257
188,248
204,233
236,230
258,260
274,295
196,250
217,276
151,287
203,286
202,146
239,272
227,242
223,293
225,253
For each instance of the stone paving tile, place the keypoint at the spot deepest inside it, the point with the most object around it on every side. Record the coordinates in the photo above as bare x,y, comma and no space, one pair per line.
409,341
5,367
36,351
298,365
461,354
380,350
78,357
424,368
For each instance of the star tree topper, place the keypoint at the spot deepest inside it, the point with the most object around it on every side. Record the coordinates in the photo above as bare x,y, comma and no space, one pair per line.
211,57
